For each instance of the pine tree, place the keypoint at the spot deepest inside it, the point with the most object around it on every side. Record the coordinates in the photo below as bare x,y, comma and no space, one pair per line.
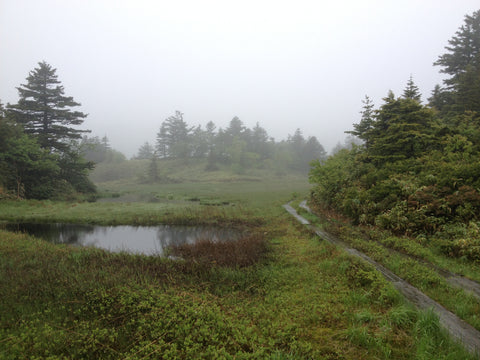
45,112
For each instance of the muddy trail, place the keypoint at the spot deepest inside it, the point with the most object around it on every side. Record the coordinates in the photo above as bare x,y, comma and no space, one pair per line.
457,328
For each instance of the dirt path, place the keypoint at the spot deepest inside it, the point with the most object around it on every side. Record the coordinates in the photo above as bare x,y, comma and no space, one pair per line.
457,328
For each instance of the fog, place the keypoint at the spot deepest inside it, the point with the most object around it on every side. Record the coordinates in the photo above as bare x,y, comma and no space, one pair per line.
285,64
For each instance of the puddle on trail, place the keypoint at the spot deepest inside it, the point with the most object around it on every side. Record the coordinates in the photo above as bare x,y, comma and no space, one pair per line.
149,240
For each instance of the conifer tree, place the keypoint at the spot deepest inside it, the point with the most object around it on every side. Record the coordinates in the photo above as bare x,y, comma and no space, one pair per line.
146,151
363,128
440,98
463,50
462,63
173,139
403,129
45,112
412,91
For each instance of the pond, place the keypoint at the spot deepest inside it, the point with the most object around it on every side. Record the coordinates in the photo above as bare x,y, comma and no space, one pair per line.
148,240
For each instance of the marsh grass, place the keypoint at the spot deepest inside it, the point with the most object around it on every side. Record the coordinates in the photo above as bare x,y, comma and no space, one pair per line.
60,301
277,294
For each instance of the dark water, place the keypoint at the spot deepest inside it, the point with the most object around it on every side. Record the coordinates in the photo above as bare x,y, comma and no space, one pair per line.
150,240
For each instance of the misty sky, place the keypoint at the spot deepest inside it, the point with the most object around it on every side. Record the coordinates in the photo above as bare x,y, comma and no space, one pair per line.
285,64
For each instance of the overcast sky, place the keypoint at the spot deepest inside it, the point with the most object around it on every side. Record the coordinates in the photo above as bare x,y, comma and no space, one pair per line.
285,64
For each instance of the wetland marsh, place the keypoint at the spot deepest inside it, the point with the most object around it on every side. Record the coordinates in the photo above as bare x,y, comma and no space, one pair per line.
281,293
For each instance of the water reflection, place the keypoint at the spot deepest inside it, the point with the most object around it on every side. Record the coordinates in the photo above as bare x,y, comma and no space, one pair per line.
137,239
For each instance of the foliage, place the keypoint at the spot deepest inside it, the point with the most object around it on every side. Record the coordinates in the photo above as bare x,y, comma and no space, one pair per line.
26,169
418,169
39,155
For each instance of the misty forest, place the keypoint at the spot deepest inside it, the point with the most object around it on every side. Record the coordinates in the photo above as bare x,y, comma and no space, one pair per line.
403,190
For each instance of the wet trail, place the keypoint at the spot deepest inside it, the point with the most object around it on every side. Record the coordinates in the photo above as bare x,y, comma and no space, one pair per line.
457,328
453,279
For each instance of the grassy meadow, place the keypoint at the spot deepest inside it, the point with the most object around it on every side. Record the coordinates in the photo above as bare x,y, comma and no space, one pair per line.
280,293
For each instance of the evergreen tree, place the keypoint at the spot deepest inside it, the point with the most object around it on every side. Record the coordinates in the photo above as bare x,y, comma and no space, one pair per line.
363,128
259,142
463,50
153,175
313,150
74,170
211,138
403,129
468,89
199,142
146,151
412,91
93,149
462,63
26,170
162,142
45,112
297,141
45,118
440,99
235,128
173,139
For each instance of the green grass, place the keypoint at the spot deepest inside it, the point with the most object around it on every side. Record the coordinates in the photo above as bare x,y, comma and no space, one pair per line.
416,268
296,297
297,303
225,203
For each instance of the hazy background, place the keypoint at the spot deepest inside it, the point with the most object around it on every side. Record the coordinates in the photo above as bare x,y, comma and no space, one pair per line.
284,64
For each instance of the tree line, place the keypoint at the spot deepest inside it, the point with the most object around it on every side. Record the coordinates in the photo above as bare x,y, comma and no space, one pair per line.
236,146
417,171
43,154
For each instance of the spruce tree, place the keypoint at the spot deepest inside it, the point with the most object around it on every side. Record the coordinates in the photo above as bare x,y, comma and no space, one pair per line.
363,128
462,63
45,112
412,91
146,151
463,50
173,139
403,129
